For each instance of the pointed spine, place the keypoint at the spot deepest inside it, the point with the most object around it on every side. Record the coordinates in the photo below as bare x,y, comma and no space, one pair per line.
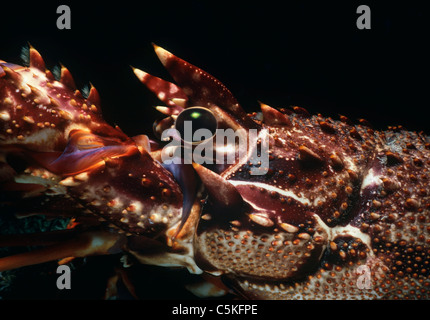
67,78
39,96
220,190
36,60
307,155
302,111
273,117
94,96
166,91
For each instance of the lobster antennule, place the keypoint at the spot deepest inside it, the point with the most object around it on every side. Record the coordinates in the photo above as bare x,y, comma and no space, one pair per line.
186,178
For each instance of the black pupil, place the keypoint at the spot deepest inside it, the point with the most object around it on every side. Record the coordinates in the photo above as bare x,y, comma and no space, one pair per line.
192,119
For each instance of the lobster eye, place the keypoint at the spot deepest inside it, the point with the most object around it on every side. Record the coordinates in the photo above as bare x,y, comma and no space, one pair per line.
192,119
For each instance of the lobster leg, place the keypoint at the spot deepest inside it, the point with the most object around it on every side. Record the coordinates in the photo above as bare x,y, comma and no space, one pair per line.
121,275
85,244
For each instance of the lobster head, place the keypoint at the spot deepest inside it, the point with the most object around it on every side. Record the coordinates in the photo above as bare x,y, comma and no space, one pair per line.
65,149
289,202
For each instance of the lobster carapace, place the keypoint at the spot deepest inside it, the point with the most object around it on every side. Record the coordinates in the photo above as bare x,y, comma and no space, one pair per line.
338,211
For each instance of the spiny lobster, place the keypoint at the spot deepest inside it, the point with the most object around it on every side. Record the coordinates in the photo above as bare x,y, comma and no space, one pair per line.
341,211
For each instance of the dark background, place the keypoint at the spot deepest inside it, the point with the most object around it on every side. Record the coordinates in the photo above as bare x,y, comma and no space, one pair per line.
283,53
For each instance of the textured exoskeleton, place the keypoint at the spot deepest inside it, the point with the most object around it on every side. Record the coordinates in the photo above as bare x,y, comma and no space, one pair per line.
339,211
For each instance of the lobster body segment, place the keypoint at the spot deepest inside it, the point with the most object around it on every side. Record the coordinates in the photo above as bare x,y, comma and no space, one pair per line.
341,211
336,198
